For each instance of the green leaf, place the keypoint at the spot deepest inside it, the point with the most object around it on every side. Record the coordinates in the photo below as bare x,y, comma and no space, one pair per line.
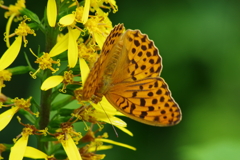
20,70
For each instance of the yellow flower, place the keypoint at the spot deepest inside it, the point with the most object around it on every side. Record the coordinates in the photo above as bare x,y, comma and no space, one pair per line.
96,4
84,70
89,53
72,48
34,153
11,53
13,10
18,150
68,137
69,22
51,12
6,116
5,75
46,61
70,148
86,11
96,144
22,31
99,27
116,143
53,81
105,112
7,59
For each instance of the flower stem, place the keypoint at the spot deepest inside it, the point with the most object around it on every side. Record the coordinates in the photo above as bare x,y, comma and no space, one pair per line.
45,104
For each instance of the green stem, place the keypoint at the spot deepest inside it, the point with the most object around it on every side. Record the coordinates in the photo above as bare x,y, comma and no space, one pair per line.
45,103
45,108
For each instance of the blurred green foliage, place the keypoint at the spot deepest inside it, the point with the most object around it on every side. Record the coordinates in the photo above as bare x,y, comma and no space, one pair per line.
199,41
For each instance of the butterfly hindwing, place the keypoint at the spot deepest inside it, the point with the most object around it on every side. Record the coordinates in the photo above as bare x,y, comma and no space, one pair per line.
148,101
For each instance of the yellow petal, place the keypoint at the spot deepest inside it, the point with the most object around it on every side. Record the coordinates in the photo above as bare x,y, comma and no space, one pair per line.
108,107
71,149
67,20
18,150
34,153
100,39
51,12
72,48
8,26
124,130
110,119
116,143
105,106
84,70
11,53
60,46
6,117
99,148
86,11
51,82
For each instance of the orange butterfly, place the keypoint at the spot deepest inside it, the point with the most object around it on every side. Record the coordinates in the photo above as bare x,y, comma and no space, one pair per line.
127,74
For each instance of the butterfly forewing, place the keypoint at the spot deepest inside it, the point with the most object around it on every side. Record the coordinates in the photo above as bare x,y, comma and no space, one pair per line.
95,77
143,59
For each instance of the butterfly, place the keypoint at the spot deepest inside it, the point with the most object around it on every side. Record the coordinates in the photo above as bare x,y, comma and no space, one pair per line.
127,74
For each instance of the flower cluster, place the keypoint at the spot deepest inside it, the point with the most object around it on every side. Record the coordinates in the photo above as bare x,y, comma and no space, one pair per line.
74,33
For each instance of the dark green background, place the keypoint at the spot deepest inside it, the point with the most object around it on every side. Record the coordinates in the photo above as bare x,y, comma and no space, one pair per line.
199,41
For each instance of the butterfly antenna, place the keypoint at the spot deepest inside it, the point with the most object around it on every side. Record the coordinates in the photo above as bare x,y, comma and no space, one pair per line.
109,120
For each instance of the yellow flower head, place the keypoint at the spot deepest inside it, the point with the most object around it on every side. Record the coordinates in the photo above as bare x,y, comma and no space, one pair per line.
96,4
5,75
88,53
6,116
79,14
69,138
45,62
22,31
14,9
99,26
22,103
18,150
